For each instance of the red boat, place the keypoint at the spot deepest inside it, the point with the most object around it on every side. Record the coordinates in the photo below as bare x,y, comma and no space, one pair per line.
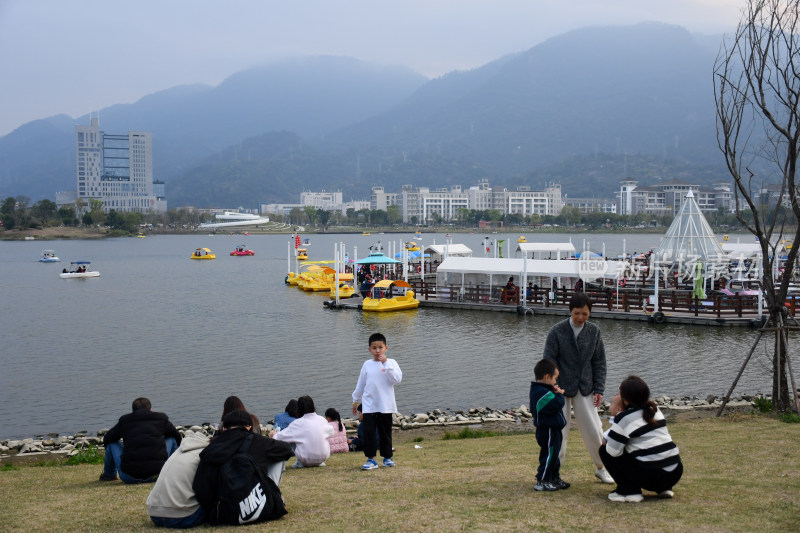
242,250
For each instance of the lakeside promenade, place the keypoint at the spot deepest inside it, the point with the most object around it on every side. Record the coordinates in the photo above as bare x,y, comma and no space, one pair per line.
33,448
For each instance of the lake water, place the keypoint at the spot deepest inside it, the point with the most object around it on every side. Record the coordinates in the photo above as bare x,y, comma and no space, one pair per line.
187,334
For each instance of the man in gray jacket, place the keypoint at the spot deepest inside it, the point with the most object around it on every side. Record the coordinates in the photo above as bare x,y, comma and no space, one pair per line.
577,348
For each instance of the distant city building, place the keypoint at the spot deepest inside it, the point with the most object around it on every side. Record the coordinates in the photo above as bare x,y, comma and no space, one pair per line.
667,197
279,209
424,204
592,205
526,202
117,170
380,199
321,200
316,200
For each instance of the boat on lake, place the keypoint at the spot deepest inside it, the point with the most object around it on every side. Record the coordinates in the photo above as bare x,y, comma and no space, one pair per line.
302,254
49,256
242,250
203,253
79,269
390,295
345,290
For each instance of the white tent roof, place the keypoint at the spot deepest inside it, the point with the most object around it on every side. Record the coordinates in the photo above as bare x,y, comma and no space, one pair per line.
459,250
689,235
741,249
516,266
534,247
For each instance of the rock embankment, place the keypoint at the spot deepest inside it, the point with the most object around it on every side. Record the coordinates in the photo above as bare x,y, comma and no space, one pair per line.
65,445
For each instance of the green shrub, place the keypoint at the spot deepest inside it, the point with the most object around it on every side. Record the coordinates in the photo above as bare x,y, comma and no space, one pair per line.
7,467
469,433
789,417
418,439
91,455
764,405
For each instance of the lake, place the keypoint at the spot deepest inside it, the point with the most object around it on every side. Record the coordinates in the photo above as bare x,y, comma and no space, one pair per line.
187,334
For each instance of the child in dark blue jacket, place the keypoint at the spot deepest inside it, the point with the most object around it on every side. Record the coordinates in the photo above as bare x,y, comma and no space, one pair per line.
547,404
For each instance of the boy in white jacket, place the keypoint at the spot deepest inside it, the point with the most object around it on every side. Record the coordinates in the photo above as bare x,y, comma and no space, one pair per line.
375,392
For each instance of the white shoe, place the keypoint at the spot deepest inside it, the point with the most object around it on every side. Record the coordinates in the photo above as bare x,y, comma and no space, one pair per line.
297,464
629,498
666,494
603,475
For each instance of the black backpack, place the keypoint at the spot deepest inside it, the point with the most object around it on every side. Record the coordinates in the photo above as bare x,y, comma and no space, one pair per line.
245,493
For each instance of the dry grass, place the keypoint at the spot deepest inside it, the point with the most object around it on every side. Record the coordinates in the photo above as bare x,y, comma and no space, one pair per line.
741,474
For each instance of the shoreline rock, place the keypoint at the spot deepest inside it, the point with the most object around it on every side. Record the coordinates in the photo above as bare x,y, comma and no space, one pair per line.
57,445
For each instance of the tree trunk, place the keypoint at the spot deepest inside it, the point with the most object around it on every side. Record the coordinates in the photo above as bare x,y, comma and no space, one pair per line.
781,399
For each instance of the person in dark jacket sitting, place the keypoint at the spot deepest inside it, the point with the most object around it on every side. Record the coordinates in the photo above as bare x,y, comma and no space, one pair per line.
148,439
267,453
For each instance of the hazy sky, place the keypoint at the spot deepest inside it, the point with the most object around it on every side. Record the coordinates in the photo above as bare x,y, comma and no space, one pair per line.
60,56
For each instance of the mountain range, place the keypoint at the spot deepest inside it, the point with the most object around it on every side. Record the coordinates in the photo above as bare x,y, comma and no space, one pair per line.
586,109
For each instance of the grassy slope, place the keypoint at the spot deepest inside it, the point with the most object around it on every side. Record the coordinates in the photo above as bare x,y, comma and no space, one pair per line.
741,474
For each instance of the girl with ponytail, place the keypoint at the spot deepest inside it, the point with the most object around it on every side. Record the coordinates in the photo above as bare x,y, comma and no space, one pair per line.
638,450
338,440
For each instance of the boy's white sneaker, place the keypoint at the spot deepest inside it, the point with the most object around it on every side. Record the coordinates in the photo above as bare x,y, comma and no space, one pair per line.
666,494
371,464
603,475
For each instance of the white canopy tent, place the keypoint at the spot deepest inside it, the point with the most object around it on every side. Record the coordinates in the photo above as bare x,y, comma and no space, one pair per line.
489,271
741,249
449,250
530,249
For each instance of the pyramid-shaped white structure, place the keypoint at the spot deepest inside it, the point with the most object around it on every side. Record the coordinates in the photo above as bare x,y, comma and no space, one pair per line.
689,236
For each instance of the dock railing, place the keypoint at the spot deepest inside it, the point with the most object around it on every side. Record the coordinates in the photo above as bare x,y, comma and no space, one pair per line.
629,300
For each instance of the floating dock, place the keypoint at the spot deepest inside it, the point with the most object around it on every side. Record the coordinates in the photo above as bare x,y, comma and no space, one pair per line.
668,317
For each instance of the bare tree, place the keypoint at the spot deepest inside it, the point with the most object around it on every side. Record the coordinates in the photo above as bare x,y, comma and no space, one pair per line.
757,91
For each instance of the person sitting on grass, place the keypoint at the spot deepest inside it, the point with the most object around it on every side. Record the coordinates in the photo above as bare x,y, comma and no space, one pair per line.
638,450
268,455
172,502
338,441
149,438
282,420
547,404
233,403
309,433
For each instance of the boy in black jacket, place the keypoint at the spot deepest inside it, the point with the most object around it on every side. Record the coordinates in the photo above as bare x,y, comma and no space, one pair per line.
547,404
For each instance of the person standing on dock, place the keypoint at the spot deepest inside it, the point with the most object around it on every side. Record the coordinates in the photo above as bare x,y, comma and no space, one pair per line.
575,345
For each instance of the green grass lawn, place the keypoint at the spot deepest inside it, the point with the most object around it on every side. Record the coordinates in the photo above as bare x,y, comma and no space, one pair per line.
742,473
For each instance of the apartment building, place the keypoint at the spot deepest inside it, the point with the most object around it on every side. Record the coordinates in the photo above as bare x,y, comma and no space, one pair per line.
592,205
423,204
321,200
667,197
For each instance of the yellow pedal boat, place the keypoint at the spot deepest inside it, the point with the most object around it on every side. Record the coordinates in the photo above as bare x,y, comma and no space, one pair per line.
345,290
390,295
203,253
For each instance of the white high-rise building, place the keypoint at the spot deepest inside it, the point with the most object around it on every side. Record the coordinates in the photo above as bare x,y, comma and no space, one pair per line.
117,170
